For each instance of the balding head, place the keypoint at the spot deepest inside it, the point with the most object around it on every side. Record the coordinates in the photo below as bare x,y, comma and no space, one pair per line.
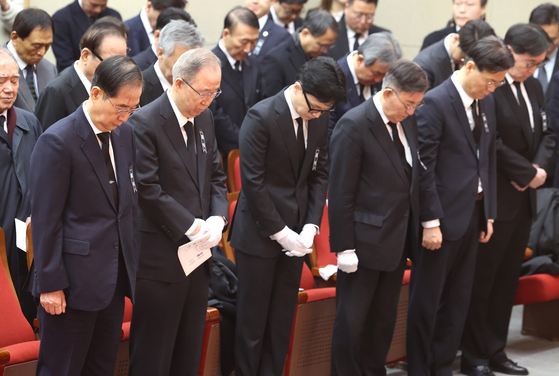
9,80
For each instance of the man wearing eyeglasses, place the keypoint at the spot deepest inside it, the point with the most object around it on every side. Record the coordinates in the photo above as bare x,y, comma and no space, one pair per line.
68,91
373,197
84,205
182,197
285,13
525,148
458,203
355,26
283,150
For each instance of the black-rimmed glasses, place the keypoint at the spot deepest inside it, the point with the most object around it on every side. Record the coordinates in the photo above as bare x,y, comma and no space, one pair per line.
204,96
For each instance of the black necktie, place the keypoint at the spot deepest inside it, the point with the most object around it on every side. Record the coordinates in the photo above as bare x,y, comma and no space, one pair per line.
300,143
522,104
400,149
476,132
356,43
30,81
362,93
191,146
240,79
2,120
104,137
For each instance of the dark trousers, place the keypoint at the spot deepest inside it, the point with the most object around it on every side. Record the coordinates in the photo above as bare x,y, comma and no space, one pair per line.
82,342
266,301
440,289
167,328
496,278
366,310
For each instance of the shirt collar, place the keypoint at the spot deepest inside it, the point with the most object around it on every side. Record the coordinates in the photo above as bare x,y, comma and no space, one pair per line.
447,44
509,78
229,57
86,83
351,33
5,114
20,63
275,18
466,99
147,25
95,129
378,105
352,68
294,114
180,117
162,79
262,21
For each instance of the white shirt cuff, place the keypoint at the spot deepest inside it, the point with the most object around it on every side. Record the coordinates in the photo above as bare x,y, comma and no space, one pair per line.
280,234
316,228
192,228
431,224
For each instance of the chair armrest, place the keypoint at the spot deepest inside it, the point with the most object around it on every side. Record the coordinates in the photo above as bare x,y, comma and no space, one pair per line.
528,254
4,356
303,297
212,314
36,323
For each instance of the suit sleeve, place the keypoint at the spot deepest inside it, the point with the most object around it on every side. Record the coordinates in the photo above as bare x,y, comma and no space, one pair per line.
318,182
62,43
546,148
272,76
219,205
430,128
50,182
50,108
514,166
492,171
346,155
226,132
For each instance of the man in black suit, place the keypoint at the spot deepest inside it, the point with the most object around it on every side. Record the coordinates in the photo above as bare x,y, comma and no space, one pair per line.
283,151
447,55
141,33
270,35
373,197
175,39
364,70
68,91
462,12
182,197
526,146
84,210
458,203
241,82
148,57
285,14
281,65
30,40
355,26
71,23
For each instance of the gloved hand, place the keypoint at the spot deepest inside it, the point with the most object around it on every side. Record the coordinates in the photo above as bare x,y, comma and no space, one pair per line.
297,253
200,225
308,233
213,225
348,261
290,240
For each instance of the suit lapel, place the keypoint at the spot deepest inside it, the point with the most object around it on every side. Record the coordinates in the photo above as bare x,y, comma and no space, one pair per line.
121,172
285,123
461,114
19,130
538,127
513,104
297,56
228,74
411,137
4,136
202,151
77,91
352,96
248,78
24,91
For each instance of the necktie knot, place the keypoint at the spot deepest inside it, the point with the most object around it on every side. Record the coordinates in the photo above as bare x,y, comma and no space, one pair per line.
104,137
356,43
238,65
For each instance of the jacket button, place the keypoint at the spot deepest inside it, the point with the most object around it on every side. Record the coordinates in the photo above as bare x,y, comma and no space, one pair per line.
294,211
405,216
115,245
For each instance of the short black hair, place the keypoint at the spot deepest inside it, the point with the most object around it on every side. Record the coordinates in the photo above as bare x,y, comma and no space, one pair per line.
483,2
164,4
96,33
473,31
28,19
240,15
115,21
318,21
490,54
406,76
116,72
527,38
315,72
349,2
173,13
300,2
545,14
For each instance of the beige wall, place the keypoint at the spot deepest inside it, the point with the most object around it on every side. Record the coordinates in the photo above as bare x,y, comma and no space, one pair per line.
409,20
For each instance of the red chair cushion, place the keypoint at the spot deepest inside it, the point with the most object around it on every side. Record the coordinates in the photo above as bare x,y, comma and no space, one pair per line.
127,310
22,352
307,279
237,175
322,243
407,275
321,294
537,288
125,331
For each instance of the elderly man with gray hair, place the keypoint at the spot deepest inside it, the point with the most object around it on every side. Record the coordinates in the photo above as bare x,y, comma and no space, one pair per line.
176,38
364,70
182,197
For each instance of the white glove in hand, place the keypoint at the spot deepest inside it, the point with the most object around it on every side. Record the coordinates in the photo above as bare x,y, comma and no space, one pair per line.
308,233
347,261
291,241
201,232
214,225
297,253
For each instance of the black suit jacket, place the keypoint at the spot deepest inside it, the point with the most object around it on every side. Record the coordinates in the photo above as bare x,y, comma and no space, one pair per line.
230,108
145,59
280,66
341,46
352,97
271,35
138,39
60,98
77,229
449,180
274,192
551,83
71,22
370,198
171,195
152,87
436,63
436,36
518,147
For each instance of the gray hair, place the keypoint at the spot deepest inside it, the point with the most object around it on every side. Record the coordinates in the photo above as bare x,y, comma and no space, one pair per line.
188,65
405,75
179,32
382,47
4,52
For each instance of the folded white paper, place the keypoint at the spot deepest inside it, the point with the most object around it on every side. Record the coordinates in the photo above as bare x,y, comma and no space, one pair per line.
193,254
21,235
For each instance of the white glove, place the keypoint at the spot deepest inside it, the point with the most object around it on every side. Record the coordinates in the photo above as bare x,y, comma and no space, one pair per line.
347,261
297,253
214,226
290,240
202,224
308,233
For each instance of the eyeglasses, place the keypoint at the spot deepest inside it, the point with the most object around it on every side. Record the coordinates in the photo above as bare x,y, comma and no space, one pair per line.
290,11
531,64
314,110
205,95
493,83
408,108
368,16
120,112
96,55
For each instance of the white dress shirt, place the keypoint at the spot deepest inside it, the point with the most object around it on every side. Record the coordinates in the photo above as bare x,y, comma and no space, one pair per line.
367,89
22,65
86,83
162,79
230,58
295,115
147,25
262,21
351,37
510,81
5,114
290,26
97,131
